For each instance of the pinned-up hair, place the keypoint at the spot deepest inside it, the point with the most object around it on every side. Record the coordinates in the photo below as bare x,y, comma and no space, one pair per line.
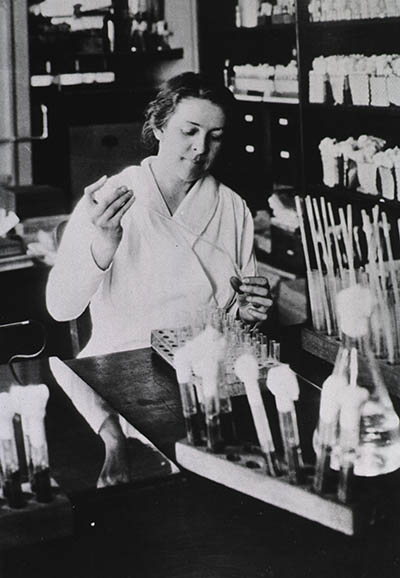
176,89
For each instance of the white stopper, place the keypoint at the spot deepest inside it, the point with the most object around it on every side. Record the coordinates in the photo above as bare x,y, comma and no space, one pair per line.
30,403
354,307
331,397
30,400
204,348
206,352
17,396
7,412
282,382
246,368
182,364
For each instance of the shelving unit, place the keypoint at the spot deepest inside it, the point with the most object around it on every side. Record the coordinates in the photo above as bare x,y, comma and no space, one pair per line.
354,23
308,123
343,195
111,73
264,153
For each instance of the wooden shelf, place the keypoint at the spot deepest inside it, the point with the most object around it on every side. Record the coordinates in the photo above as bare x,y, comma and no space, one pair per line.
346,195
272,26
326,347
169,54
351,108
366,22
268,99
113,60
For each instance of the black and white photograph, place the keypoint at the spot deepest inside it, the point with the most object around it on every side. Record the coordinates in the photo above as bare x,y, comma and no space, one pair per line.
200,289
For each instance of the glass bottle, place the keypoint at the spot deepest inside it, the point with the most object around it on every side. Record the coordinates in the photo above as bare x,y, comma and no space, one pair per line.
379,447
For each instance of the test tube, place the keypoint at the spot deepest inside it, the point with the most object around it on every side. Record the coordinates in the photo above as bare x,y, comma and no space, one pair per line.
275,350
184,330
283,384
212,410
225,405
188,396
332,390
32,400
11,481
208,350
246,369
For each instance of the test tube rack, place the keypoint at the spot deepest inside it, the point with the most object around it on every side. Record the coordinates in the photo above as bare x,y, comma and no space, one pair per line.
164,343
246,472
36,521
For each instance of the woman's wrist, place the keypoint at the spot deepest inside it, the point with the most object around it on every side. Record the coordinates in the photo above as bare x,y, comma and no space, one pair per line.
103,249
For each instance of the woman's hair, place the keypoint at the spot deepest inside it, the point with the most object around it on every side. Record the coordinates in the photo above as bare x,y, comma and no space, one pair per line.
176,89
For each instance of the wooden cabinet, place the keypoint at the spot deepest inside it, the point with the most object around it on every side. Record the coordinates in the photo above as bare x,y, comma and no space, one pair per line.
278,144
22,297
267,145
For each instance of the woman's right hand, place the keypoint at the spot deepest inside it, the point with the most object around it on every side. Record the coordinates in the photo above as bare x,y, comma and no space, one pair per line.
106,209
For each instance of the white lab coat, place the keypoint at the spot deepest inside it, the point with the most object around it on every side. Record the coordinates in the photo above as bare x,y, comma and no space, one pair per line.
165,265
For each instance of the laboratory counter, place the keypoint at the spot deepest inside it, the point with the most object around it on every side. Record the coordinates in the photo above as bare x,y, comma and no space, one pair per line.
165,522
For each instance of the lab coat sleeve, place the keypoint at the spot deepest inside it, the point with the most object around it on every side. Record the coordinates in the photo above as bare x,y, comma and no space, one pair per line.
75,276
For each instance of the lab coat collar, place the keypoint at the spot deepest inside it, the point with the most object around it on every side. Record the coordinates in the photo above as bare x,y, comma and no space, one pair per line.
197,208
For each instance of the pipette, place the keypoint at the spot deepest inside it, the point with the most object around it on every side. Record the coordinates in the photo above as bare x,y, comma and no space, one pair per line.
246,368
282,382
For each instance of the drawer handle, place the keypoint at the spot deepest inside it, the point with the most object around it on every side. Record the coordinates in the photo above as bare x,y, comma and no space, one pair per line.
249,118
249,148
283,121
284,155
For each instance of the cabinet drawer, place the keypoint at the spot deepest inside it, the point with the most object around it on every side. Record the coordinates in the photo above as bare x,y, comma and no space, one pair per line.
285,129
285,163
251,120
286,249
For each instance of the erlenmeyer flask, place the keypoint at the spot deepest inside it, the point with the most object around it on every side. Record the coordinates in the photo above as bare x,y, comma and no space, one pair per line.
378,450
379,447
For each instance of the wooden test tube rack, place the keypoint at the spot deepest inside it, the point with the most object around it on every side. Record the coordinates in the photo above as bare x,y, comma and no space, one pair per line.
36,521
297,499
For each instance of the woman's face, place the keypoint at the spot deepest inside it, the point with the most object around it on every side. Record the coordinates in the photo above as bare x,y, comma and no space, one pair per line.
191,138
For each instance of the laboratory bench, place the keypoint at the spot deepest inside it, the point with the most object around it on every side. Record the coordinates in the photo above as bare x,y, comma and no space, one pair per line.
169,523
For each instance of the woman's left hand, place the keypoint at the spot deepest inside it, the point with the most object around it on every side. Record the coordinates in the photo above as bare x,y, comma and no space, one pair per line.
254,299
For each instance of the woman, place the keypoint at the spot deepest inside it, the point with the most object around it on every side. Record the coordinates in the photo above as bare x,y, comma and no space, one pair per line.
161,238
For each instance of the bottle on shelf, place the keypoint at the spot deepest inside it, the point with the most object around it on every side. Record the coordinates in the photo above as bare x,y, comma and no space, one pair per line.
229,75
